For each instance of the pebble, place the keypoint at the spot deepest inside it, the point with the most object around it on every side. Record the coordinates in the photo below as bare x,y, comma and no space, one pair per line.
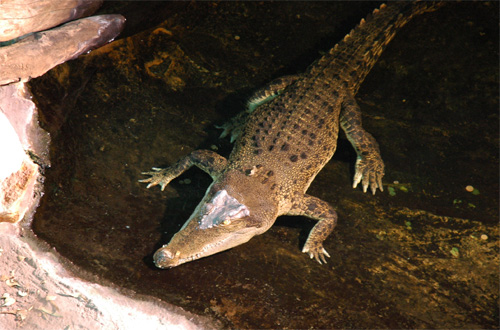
469,188
484,237
454,252
7,300
22,293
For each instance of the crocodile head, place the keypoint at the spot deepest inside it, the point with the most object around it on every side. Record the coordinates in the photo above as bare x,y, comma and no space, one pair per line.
234,209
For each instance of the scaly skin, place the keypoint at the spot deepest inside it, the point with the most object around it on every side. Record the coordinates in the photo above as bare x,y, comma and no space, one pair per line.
290,133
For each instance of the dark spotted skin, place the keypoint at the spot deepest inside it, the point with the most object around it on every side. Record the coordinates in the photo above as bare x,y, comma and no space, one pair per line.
292,124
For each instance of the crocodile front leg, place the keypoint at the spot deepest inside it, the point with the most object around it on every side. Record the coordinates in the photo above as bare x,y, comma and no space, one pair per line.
317,209
369,165
208,161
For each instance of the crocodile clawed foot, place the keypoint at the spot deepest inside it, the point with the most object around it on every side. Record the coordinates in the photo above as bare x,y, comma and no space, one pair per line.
369,172
226,129
234,127
159,176
316,252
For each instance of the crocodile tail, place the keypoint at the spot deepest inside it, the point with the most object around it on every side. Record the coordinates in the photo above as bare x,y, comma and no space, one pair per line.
353,57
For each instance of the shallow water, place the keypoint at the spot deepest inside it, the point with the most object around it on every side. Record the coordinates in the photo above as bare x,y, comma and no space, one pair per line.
411,257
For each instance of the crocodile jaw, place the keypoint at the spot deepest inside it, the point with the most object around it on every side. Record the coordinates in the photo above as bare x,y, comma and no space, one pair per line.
168,256
219,222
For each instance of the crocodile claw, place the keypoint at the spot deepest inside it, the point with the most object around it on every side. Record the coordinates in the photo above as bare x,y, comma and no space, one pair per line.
234,127
159,176
317,253
369,172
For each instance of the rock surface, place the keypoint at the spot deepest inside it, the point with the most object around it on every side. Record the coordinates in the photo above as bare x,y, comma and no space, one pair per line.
21,137
19,17
36,54
36,290
38,293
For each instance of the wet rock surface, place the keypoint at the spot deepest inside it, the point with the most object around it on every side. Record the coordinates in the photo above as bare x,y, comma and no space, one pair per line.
424,254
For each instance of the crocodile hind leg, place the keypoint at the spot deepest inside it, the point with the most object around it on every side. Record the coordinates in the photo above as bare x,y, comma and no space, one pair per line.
208,161
317,209
263,95
369,165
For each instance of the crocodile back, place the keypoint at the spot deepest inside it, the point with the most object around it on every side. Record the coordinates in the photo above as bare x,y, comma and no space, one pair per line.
287,141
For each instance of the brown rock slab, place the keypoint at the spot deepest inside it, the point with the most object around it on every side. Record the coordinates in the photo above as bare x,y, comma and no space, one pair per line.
20,17
16,192
38,53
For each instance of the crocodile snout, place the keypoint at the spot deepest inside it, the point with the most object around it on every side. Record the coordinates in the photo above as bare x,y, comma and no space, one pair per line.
164,258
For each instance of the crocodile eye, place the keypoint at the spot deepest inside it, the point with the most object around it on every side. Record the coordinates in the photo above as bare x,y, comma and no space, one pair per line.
226,222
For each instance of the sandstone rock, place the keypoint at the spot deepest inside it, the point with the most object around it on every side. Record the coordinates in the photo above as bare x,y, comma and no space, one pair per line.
36,54
20,135
16,192
19,17
57,299
11,150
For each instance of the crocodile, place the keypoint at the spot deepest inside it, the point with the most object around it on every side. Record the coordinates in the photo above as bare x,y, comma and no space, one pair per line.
289,133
